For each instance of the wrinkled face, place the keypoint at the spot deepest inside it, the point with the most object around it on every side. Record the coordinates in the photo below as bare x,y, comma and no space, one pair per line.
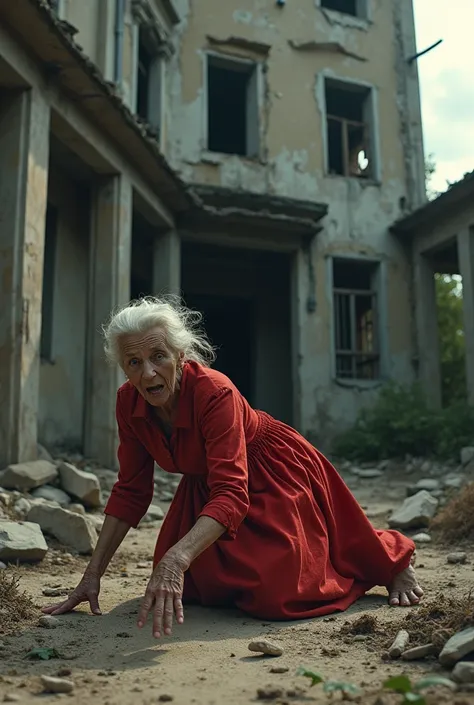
151,366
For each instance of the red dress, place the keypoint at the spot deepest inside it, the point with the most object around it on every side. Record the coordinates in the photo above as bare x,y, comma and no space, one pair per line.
297,543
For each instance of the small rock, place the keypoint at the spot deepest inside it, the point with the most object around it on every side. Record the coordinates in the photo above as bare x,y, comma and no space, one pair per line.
143,565
55,592
77,509
416,511
56,685
269,693
262,646
463,672
166,496
21,507
467,455
454,482
107,478
48,622
165,698
2,566
83,485
279,669
22,542
426,467
26,476
429,484
460,645
52,494
154,513
97,520
422,538
11,698
457,557
419,652
63,672
369,474
70,529
360,637
399,645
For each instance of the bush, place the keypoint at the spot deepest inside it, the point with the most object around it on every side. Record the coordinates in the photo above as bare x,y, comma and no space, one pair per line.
400,423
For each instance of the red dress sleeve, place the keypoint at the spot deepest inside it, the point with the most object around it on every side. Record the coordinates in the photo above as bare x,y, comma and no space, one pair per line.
132,493
223,430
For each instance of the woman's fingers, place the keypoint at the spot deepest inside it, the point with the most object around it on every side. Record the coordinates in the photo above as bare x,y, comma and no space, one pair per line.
168,615
63,607
178,609
145,607
158,614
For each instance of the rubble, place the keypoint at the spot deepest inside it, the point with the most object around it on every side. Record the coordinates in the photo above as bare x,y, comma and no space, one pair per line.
415,512
460,645
463,672
52,494
83,485
262,646
28,476
457,557
21,541
467,455
72,530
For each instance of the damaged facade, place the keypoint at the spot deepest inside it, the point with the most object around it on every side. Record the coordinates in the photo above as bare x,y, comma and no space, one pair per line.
291,136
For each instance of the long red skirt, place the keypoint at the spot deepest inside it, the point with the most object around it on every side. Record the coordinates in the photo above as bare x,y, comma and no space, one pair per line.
305,548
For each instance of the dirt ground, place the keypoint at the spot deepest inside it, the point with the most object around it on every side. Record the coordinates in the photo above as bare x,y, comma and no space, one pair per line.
207,659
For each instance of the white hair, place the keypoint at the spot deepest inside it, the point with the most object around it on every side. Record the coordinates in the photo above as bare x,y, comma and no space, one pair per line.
182,328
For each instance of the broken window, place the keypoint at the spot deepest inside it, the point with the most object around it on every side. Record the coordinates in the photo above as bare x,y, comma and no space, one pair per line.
349,129
232,105
54,5
355,319
49,269
148,83
348,7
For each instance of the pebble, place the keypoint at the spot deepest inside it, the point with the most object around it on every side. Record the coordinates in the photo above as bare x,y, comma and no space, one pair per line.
419,652
56,685
48,622
360,637
55,592
262,646
165,698
463,672
269,693
422,538
279,669
399,645
143,565
11,698
457,557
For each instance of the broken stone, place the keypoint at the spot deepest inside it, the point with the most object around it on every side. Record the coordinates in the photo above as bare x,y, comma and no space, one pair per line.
368,474
269,693
457,557
107,478
43,453
77,509
55,592
56,685
399,644
262,646
416,511
279,669
48,622
454,482
97,520
166,496
467,455
460,645
22,542
21,507
83,485
28,476
463,672
52,494
429,484
68,528
419,652
154,513
11,698
422,538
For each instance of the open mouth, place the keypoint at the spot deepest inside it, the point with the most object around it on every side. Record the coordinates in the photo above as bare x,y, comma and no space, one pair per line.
155,390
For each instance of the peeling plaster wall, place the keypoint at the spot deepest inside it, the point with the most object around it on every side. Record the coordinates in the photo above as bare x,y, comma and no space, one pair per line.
62,380
293,156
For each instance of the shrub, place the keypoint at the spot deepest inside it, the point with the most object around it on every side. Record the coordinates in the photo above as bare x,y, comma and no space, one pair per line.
400,423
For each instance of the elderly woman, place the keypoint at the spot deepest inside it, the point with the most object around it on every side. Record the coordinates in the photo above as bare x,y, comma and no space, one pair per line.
261,520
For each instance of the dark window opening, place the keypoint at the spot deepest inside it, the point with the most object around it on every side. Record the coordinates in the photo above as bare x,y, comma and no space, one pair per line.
355,320
47,304
145,59
54,5
348,7
348,130
232,105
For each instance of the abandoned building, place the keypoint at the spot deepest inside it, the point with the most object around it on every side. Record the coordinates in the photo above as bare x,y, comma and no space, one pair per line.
252,159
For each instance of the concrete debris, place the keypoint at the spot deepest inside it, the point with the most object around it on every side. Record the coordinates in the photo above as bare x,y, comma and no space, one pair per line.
463,672
399,644
467,455
83,485
48,622
457,557
419,652
56,685
262,646
416,511
107,479
52,494
28,476
21,508
77,509
44,454
23,542
428,484
70,529
422,538
460,645
454,482
154,513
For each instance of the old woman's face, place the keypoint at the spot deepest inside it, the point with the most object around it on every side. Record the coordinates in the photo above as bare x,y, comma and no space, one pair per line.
151,366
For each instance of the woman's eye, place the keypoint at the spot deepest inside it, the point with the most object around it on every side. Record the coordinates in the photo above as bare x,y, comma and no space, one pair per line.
158,356
133,362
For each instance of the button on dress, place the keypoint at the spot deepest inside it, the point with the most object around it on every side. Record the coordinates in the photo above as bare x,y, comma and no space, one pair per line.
297,543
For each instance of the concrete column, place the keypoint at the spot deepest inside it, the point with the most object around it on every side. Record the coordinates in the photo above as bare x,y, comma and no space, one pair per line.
110,288
24,158
167,264
427,329
466,266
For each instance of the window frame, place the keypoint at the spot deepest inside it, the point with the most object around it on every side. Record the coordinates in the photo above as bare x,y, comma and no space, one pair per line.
361,19
378,290
372,124
246,65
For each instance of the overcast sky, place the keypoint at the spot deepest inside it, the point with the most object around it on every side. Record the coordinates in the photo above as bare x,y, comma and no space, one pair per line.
447,85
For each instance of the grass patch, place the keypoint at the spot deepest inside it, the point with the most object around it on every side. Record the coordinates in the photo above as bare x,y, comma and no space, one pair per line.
16,606
454,524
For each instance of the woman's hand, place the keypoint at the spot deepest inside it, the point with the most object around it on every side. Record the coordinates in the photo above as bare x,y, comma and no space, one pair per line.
87,591
164,593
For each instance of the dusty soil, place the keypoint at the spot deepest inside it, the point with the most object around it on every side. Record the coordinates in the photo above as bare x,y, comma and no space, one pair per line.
207,660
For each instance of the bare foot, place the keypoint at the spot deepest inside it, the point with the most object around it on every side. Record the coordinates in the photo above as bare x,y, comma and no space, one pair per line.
405,589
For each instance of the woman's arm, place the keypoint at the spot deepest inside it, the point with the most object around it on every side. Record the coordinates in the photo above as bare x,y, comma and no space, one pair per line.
204,532
111,536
